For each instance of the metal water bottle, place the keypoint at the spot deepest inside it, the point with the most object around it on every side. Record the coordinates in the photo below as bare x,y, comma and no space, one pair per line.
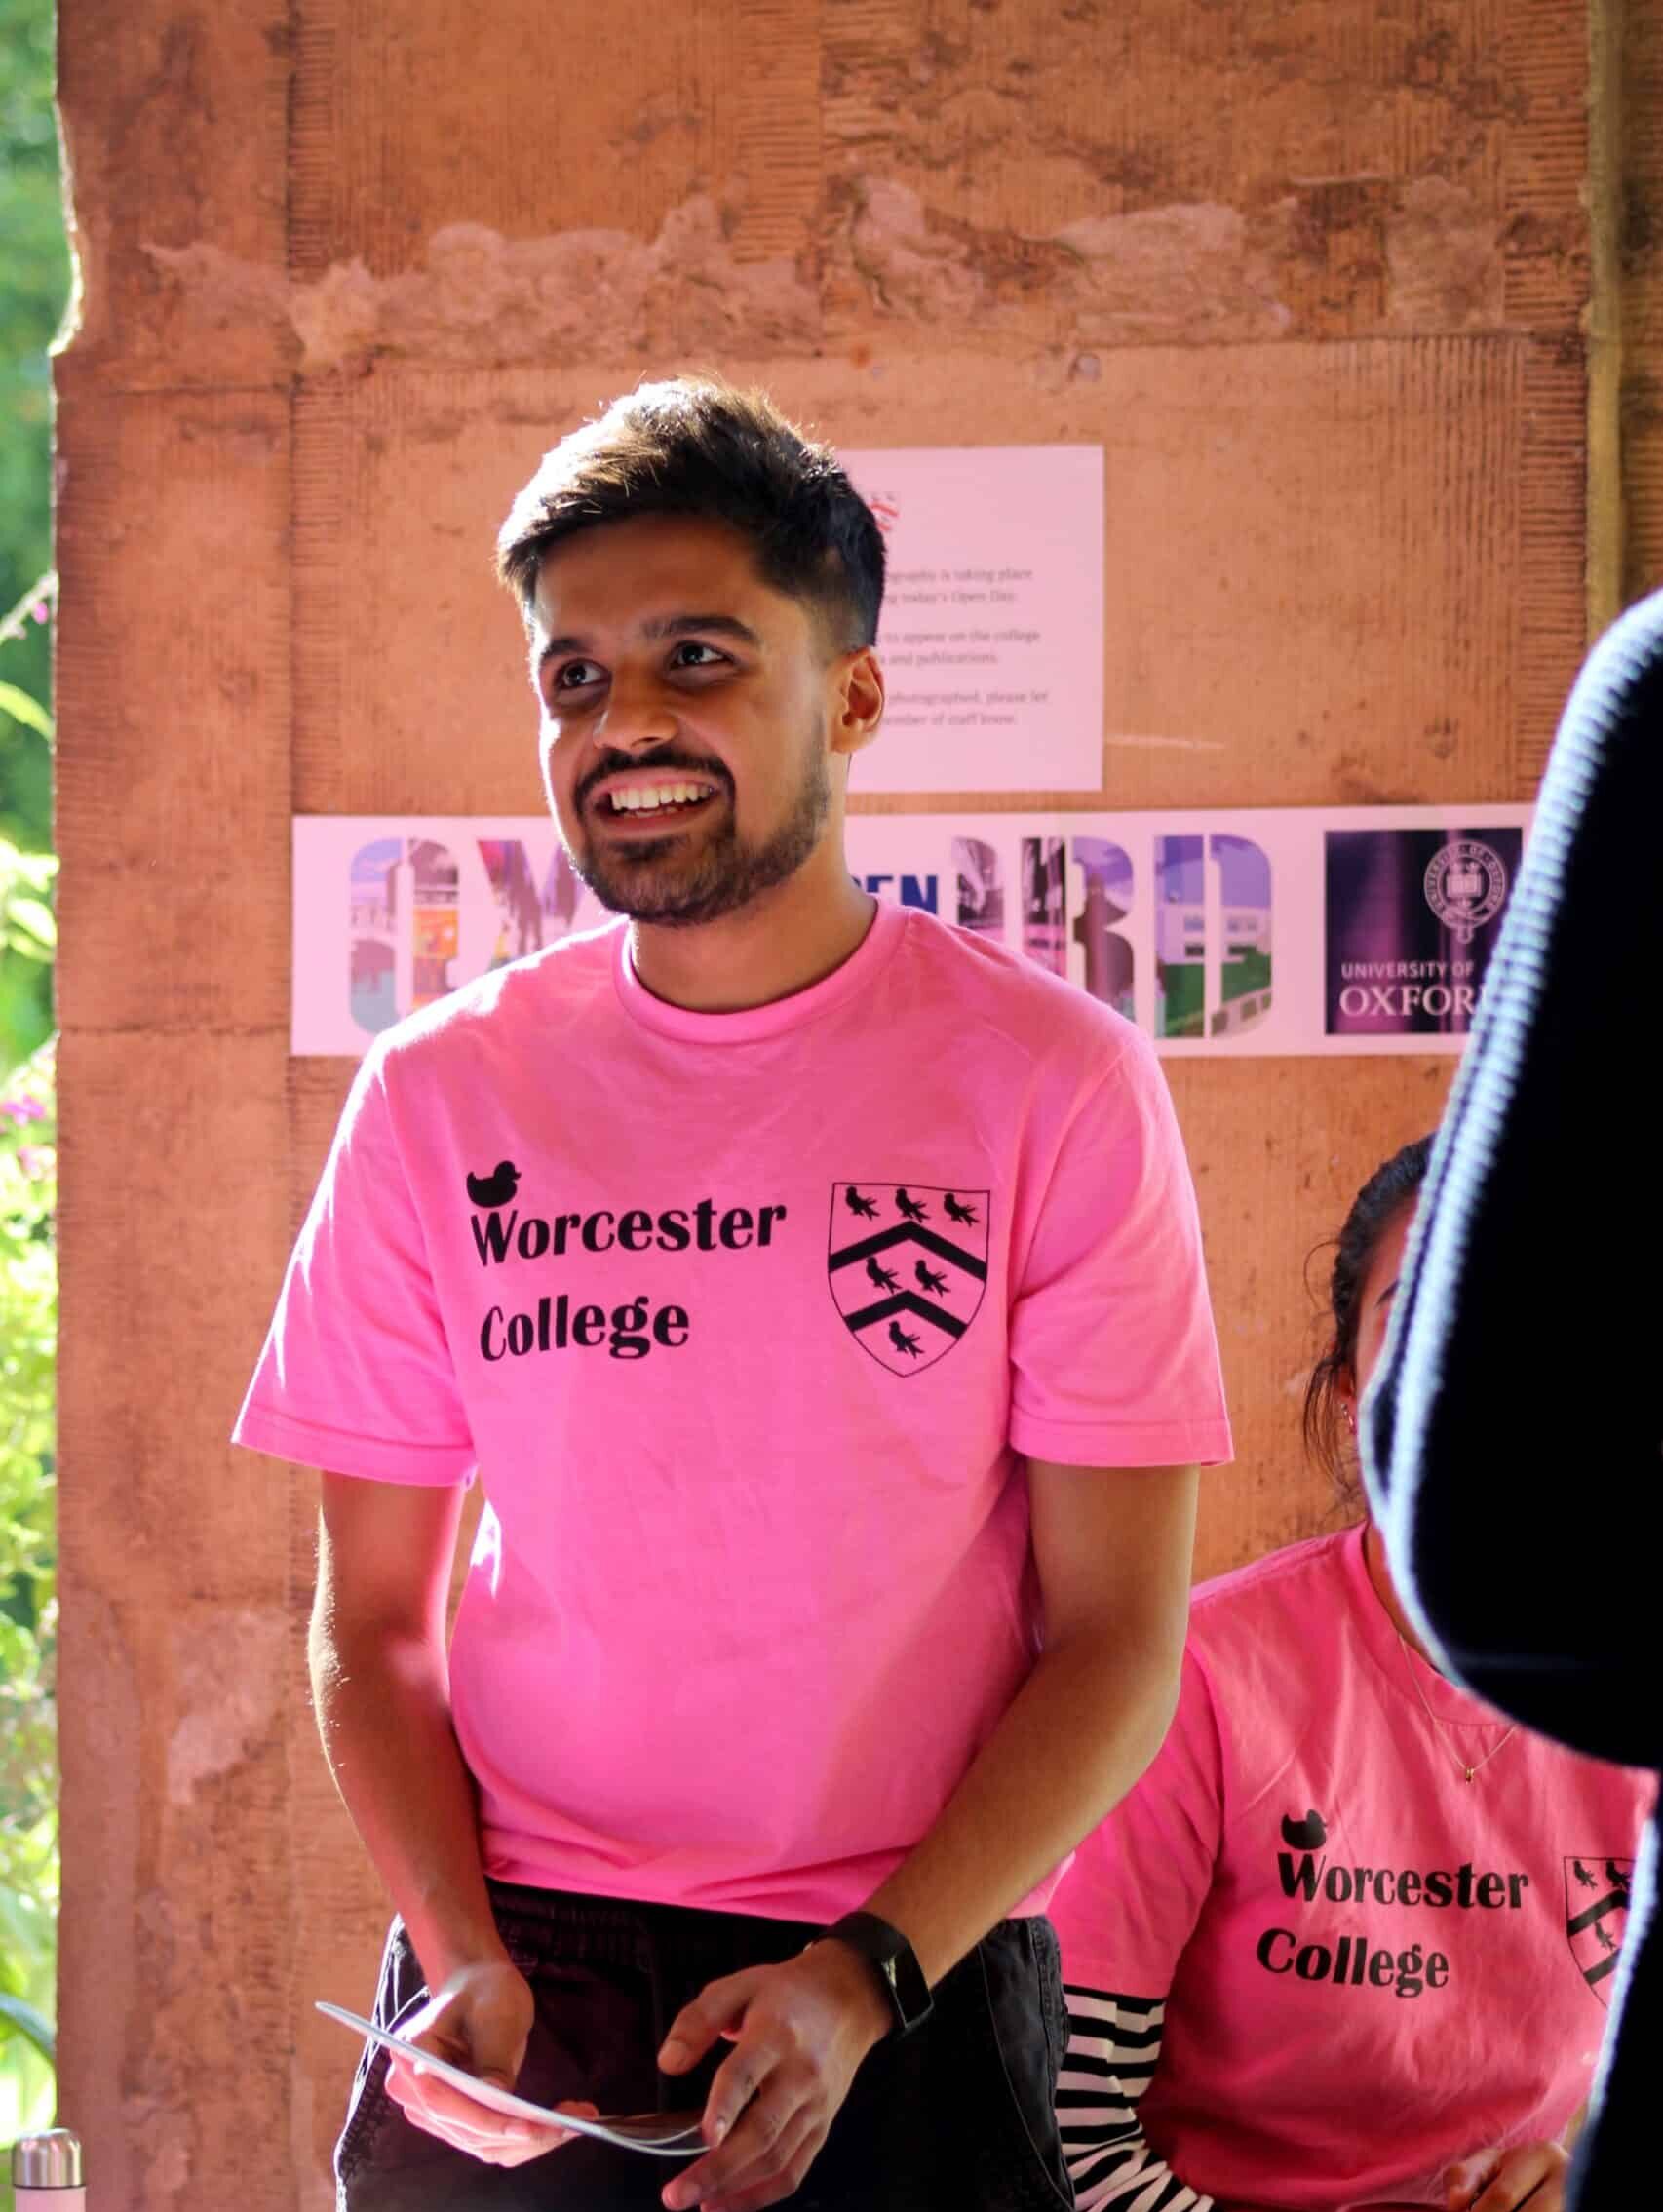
46,2173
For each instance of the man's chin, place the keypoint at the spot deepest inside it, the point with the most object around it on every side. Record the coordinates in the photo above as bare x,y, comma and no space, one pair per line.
682,883
658,896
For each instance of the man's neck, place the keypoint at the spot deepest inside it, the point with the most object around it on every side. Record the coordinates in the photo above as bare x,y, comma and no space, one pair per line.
780,944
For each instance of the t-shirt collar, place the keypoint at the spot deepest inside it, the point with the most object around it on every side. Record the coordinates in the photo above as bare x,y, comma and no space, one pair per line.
857,972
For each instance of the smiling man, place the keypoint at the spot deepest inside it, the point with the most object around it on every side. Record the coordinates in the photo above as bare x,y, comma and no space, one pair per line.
816,1291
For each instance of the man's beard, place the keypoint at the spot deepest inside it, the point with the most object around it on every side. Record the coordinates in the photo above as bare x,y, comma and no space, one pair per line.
652,884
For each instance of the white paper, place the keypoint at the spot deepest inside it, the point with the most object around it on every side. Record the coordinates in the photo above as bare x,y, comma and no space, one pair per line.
662,2135
991,632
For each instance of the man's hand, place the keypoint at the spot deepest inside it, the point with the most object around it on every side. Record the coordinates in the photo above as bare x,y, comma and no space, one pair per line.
479,2020
798,2031
1499,2180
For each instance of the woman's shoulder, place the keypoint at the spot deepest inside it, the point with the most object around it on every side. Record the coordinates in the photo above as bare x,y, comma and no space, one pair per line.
1243,1597
1280,1617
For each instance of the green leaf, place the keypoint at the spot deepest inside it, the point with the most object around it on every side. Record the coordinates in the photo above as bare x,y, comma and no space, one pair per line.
30,914
25,709
33,2026
36,870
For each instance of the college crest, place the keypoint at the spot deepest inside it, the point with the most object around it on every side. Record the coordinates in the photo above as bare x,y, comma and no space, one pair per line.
1465,885
908,1263
1595,1914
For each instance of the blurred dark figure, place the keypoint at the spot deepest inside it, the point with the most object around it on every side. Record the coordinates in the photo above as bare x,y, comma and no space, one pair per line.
1514,1433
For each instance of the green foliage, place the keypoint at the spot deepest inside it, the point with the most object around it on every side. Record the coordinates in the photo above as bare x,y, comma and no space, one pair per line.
32,2025
29,1594
26,725
29,940
23,709
34,288
28,934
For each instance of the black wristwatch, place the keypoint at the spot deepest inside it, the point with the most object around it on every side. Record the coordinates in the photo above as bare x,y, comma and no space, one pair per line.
892,1959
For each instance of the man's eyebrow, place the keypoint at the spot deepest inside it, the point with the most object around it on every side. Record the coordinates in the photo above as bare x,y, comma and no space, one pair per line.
664,626
682,624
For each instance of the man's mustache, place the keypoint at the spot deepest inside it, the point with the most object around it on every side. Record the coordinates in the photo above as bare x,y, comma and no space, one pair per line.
668,756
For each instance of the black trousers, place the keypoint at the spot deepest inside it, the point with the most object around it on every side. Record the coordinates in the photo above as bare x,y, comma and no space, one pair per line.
959,2114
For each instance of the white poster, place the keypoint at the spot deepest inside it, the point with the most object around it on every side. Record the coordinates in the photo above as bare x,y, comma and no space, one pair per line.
992,633
1287,930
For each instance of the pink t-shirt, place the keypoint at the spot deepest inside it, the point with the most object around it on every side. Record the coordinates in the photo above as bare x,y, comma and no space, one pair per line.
1374,1966
743,1320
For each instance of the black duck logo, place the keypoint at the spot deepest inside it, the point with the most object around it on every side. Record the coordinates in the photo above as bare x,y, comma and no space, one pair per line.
908,1266
1307,1834
1595,1914
496,1190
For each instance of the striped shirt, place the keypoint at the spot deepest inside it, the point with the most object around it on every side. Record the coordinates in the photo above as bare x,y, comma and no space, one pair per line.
1114,2042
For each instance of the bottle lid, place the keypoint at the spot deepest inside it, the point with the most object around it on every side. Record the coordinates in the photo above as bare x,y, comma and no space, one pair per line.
52,2160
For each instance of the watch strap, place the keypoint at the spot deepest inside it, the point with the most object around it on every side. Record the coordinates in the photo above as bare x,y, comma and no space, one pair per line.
895,1964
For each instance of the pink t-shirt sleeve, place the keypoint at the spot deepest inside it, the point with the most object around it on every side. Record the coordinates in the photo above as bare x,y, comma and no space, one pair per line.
1113,1357
1129,1904
356,1376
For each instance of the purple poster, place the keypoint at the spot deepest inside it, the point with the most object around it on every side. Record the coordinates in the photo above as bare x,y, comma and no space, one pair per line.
1411,919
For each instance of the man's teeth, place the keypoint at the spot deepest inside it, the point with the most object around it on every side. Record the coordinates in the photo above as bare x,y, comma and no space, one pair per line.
646,798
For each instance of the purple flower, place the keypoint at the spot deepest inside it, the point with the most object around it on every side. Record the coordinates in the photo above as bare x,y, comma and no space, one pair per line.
22,1110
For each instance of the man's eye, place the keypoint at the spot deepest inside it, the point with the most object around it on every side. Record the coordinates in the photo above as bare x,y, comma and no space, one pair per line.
692,645
576,675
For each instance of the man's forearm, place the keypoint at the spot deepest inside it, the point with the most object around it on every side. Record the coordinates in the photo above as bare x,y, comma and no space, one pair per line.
383,1708
1084,1725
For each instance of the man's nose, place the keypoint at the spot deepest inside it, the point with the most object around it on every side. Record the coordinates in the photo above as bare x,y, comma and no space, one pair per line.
636,716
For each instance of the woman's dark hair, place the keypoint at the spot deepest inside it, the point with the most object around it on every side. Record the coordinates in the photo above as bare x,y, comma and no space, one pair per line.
1390,1188
697,446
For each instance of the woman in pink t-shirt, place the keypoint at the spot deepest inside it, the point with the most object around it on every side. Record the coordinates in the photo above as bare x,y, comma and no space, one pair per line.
1350,1940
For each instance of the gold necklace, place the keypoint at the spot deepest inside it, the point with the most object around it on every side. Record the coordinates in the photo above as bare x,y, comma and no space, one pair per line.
1467,1772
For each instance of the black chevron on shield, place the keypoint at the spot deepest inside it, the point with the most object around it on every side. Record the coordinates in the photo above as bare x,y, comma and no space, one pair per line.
907,1232
907,1312
907,1301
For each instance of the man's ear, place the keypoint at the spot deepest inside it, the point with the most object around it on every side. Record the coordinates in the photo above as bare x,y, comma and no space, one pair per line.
857,702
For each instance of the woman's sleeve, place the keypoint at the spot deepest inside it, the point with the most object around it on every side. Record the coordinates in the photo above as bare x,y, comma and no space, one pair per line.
1114,2046
1124,1913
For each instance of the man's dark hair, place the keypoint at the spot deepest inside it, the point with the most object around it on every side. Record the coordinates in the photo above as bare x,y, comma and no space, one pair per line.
1393,1186
697,446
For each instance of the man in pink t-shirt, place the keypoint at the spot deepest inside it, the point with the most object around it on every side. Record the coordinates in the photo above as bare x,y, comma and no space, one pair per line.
817,1292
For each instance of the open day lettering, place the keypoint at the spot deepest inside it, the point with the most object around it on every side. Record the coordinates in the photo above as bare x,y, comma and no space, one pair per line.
628,1331
1353,1961
1109,881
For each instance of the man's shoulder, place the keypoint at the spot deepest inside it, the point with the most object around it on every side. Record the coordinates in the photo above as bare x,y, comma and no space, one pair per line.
532,992
980,979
